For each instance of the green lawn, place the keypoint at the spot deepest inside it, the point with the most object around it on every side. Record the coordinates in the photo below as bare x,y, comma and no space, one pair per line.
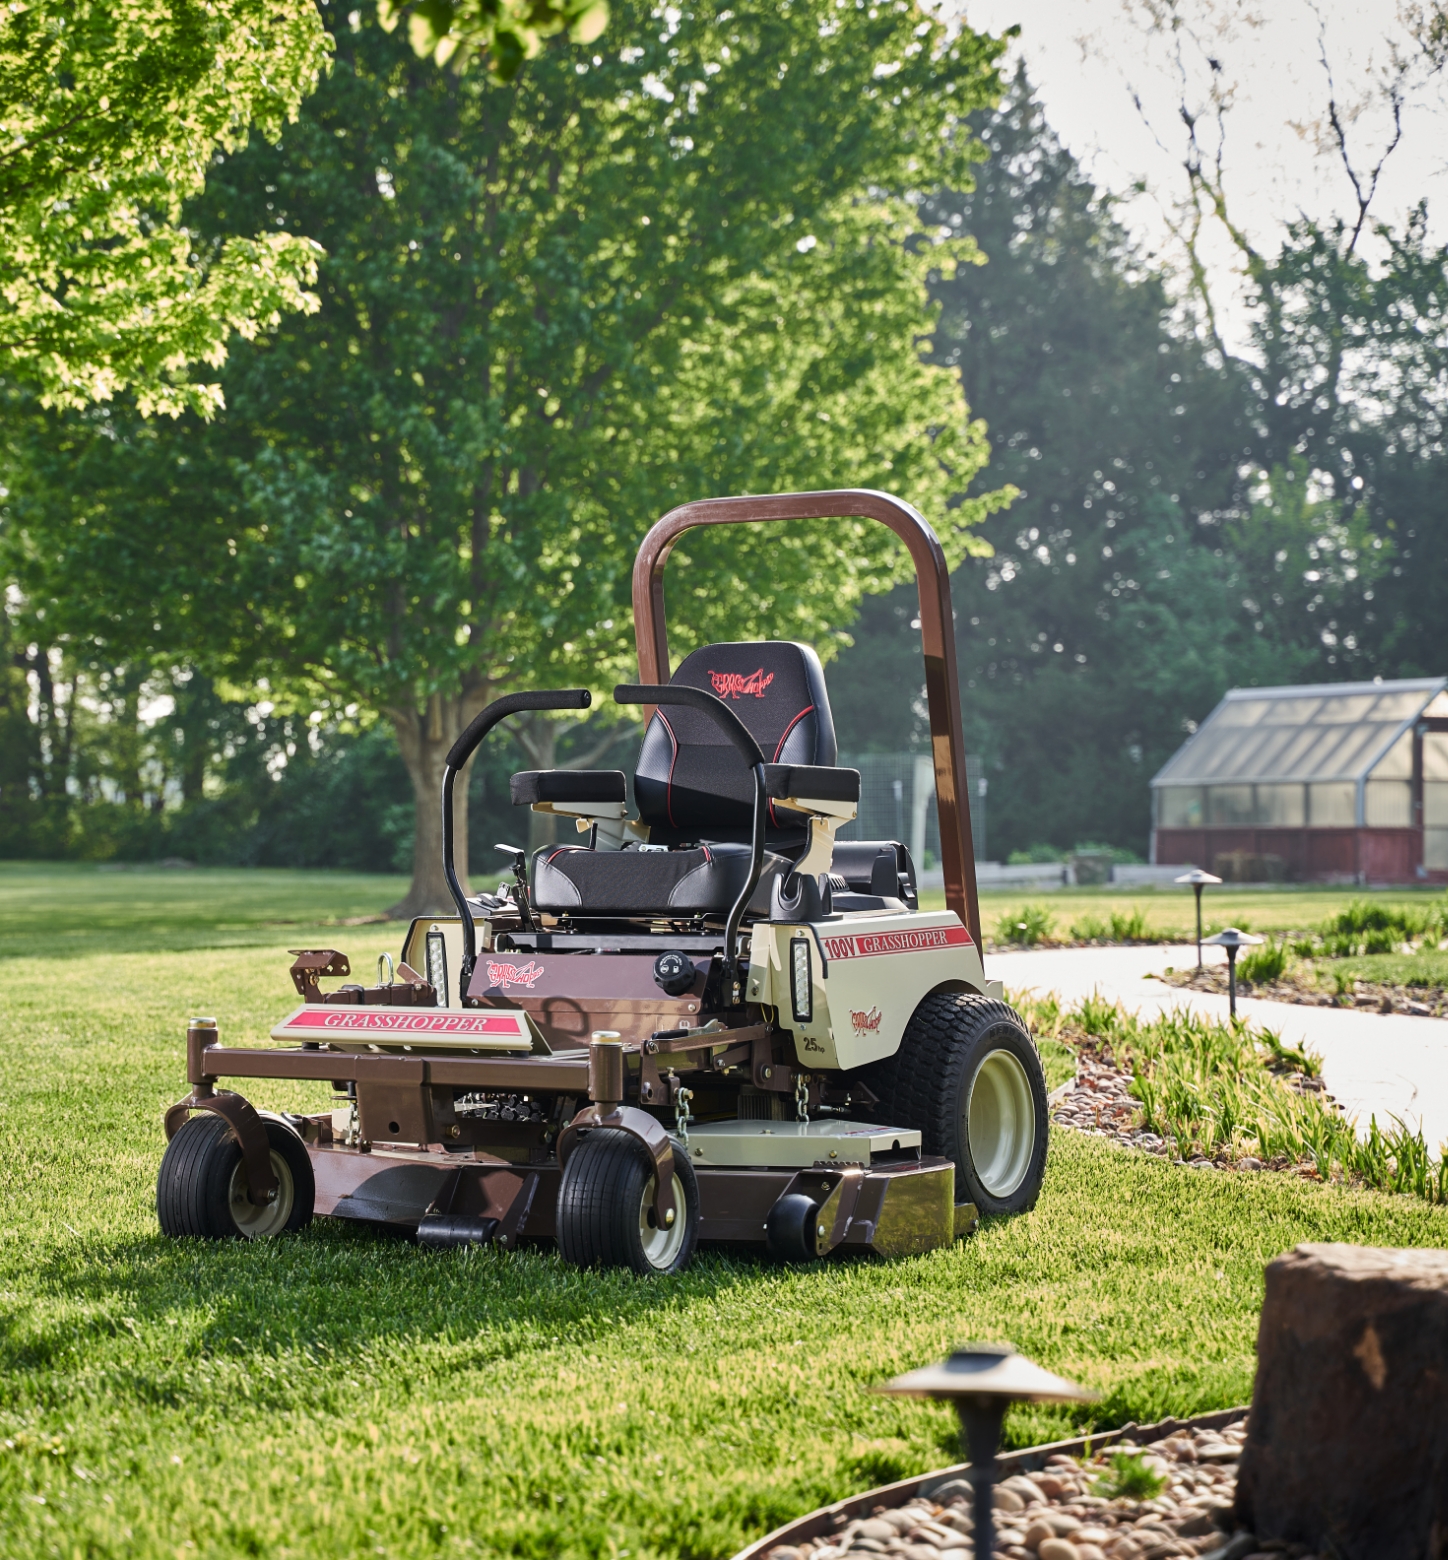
1274,908
337,1394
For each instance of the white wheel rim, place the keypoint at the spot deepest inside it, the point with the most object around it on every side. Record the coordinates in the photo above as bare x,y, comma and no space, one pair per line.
1000,1123
662,1246
271,1218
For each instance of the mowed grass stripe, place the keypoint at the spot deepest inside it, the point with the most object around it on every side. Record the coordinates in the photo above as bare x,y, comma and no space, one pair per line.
340,1394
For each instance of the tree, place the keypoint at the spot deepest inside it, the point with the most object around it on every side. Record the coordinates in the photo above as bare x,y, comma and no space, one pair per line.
504,33
1151,560
111,113
549,311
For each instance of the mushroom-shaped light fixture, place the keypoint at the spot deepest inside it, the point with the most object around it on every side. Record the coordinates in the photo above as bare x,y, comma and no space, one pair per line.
983,1380
1233,941
1198,880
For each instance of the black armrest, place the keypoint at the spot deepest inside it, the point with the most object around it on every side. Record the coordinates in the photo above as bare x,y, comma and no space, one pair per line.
811,780
561,786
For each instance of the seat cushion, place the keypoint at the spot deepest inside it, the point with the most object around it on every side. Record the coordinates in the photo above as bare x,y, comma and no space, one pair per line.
630,882
690,783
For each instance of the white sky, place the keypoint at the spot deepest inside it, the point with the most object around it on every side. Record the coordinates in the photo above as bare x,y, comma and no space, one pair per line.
1088,57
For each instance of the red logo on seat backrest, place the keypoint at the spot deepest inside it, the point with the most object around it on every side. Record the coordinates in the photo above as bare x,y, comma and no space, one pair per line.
514,975
729,685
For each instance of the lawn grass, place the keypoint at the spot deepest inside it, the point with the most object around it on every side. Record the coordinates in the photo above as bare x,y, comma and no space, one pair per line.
1426,968
1274,908
340,1394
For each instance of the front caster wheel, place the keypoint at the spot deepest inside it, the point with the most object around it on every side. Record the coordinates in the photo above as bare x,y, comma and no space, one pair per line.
968,1077
202,1188
605,1213
791,1229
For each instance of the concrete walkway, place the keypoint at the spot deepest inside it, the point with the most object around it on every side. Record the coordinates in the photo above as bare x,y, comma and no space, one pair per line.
1383,1064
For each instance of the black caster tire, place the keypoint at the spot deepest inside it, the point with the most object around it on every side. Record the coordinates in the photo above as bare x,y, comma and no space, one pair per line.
604,1214
968,1077
789,1232
201,1191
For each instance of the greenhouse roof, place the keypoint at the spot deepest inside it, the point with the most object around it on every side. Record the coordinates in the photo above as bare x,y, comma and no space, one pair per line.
1331,731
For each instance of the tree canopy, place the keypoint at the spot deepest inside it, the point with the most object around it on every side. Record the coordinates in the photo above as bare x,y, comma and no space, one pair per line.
548,312
112,113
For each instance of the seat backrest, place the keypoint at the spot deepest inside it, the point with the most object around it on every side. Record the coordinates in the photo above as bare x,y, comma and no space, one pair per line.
690,783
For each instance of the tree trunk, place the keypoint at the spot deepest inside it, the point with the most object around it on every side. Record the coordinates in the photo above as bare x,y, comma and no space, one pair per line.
538,737
423,739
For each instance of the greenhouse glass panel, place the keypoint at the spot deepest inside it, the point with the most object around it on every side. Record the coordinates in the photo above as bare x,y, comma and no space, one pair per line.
1435,850
1180,807
1229,804
1435,804
1388,804
1397,762
1333,805
1281,806
1435,757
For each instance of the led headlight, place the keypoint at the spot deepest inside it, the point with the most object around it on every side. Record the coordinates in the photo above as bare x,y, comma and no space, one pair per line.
801,980
437,964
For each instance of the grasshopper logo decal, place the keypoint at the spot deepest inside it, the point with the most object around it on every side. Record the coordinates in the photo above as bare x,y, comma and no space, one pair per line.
867,1023
513,974
729,685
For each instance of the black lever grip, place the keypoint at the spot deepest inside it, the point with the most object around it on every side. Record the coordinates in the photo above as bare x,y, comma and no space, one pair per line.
484,721
695,698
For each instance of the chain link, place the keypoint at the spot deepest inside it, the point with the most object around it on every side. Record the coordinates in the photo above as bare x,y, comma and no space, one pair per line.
681,1113
801,1096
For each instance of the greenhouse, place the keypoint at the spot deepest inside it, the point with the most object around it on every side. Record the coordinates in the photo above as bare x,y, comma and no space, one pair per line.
1341,782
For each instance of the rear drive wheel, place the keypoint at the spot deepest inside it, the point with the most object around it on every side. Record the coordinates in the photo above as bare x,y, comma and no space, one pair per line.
605,1213
789,1232
202,1188
968,1077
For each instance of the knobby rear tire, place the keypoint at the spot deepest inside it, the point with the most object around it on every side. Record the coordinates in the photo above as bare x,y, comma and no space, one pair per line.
202,1186
968,1077
604,1215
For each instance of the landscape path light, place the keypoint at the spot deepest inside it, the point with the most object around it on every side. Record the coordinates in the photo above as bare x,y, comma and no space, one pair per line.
1199,880
983,1380
1233,941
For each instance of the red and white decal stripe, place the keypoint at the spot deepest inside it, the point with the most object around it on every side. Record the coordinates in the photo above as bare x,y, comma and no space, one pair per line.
314,1019
926,939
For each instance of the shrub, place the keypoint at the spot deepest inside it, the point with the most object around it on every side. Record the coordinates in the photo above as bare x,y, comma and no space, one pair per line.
1261,966
1026,927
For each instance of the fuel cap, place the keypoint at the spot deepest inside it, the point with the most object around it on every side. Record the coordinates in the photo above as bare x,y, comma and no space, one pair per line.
674,972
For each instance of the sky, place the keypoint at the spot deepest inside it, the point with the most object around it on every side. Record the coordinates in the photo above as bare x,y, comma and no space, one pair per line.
1091,59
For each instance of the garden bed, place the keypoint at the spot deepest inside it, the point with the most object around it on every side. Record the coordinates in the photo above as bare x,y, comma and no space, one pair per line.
1138,1493
1210,1093
1314,984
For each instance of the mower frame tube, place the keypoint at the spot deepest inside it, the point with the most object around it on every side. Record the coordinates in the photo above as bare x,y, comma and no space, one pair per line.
458,755
937,633
749,750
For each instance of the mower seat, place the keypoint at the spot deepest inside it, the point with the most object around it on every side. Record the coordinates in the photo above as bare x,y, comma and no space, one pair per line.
696,795
638,881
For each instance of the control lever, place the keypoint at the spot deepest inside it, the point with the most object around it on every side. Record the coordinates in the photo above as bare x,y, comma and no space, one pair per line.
520,875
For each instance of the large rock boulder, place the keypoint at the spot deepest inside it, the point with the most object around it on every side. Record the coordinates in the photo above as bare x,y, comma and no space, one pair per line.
1347,1444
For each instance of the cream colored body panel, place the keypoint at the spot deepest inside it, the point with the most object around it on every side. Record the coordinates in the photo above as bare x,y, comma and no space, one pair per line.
797,1145
876,967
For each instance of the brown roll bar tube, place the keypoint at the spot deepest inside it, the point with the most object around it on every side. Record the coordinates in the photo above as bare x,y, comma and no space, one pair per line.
937,632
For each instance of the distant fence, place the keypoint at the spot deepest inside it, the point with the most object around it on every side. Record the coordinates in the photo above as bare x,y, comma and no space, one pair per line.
897,802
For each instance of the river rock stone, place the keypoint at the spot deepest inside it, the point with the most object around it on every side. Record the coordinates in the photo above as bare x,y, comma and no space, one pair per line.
1347,1443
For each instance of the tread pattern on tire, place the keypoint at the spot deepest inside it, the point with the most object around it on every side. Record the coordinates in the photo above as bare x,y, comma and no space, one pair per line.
918,1085
598,1200
195,1179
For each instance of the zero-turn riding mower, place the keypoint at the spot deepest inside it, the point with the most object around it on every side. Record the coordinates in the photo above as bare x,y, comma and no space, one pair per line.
713,1021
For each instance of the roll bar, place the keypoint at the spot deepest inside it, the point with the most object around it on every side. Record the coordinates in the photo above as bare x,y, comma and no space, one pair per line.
937,632
458,755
